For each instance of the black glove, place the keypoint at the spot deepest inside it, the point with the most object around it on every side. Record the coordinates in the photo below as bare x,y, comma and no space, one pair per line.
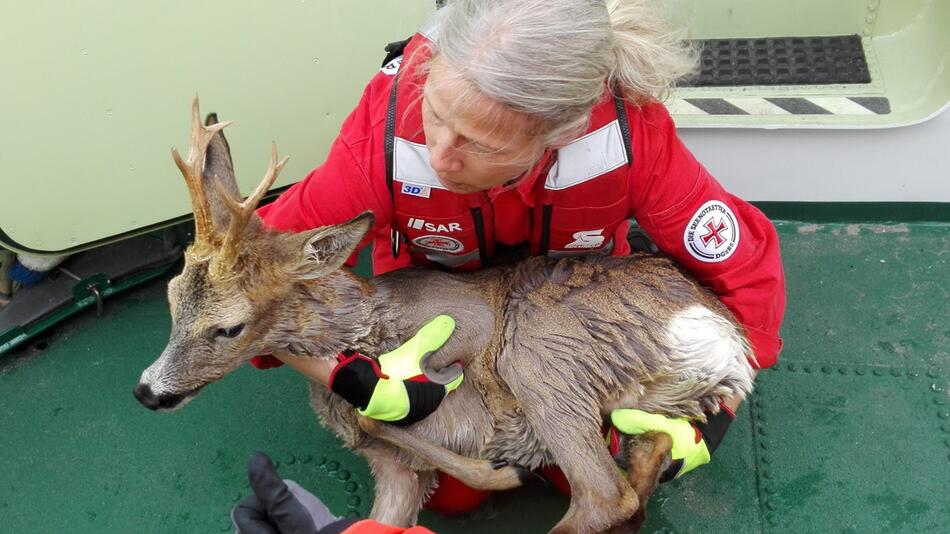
394,387
279,506
693,441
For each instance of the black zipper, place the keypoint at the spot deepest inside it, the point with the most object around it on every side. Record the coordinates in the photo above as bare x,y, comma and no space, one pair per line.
546,211
624,128
480,234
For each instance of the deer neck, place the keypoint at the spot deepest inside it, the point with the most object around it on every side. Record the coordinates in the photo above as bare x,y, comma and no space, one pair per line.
338,312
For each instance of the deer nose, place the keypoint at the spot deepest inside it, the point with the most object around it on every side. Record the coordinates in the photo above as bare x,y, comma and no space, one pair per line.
143,392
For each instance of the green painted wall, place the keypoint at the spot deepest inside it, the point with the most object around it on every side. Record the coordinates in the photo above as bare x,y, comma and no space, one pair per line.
95,93
757,18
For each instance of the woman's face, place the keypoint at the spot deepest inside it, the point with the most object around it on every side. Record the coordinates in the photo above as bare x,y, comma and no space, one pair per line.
476,143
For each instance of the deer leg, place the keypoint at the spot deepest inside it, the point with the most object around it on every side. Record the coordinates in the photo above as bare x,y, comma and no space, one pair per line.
648,456
478,474
600,497
570,431
400,491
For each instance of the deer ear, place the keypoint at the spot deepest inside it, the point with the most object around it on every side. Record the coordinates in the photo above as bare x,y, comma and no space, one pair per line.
329,247
218,167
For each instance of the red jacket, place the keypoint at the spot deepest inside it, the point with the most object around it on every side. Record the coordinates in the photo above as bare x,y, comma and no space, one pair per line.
724,242
368,526
576,200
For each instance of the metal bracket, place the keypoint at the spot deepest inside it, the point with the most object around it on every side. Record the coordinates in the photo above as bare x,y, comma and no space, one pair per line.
89,287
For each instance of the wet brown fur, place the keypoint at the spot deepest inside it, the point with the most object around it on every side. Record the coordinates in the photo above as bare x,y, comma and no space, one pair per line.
550,347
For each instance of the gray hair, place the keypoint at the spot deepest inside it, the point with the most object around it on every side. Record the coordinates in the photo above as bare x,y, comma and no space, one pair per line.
552,59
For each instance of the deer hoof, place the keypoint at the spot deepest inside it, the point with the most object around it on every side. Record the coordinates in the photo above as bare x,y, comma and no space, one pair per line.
370,426
527,477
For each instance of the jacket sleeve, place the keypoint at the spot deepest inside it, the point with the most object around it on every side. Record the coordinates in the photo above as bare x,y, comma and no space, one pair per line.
343,186
726,243
332,193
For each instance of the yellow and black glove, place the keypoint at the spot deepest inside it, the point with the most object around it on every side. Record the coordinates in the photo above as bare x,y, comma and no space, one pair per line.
693,441
393,387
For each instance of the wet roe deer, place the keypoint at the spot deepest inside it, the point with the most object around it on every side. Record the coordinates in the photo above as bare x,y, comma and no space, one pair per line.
549,346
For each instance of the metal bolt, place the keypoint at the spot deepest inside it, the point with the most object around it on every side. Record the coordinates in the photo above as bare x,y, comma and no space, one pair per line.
333,465
826,369
808,369
343,475
792,367
860,371
932,372
878,371
843,370
351,486
896,372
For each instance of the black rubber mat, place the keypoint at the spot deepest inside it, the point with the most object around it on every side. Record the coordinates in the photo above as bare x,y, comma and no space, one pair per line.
782,61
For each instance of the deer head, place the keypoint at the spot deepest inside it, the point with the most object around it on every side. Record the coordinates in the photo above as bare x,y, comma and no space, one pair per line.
245,289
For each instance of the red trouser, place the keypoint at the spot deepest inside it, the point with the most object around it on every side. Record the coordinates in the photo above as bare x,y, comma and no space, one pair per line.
452,497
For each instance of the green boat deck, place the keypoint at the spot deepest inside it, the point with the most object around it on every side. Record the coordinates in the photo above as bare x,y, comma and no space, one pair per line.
849,433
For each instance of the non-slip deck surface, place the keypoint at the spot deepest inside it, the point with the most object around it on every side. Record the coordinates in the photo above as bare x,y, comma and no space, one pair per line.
821,60
851,433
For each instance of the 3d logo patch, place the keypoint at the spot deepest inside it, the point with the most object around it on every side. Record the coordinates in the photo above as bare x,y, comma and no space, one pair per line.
416,190
713,233
440,243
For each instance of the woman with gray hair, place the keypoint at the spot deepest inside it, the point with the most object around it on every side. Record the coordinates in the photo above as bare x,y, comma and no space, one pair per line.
534,125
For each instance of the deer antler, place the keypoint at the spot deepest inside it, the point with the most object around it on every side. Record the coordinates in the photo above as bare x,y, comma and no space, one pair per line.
242,212
193,168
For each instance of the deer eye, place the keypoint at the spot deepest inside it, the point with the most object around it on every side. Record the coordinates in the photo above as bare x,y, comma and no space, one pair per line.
229,332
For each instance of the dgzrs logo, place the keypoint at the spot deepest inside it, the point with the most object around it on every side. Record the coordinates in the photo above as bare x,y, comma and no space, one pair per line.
439,243
713,233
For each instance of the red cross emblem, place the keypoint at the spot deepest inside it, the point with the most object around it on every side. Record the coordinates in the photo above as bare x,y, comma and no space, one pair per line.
714,233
